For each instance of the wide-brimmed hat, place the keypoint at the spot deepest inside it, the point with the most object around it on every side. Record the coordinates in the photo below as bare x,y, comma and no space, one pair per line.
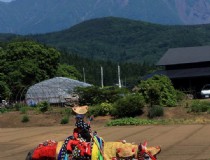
80,109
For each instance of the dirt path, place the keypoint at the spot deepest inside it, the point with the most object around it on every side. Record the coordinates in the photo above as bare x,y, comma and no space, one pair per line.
179,142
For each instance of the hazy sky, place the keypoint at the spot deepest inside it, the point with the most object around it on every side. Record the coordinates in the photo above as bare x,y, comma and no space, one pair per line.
6,0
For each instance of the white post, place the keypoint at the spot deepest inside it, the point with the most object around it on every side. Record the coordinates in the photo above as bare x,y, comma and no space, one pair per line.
84,74
119,76
102,77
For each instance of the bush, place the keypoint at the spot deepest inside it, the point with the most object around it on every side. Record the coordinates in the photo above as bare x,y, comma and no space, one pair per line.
180,95
100,110
25,118
105,109
158,90
3,110
18,106
155,111
200,106
129,106
65,120
93,111
43,106
23,109
94,95
68,112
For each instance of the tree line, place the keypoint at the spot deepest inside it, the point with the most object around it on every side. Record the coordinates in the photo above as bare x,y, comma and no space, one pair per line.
24,63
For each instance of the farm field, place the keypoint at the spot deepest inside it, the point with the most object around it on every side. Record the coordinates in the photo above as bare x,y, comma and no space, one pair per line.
178,142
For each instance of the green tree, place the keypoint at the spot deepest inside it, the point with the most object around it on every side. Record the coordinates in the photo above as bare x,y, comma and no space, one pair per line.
129,106
158,90
65,70
94,95
27,62
4,90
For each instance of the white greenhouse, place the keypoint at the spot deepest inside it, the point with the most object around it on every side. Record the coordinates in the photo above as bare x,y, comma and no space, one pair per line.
54,90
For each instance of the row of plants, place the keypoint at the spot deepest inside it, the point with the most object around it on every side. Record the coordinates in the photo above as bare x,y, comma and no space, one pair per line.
140,121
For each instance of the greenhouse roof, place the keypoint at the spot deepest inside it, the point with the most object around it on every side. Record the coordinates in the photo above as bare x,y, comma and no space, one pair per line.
53,90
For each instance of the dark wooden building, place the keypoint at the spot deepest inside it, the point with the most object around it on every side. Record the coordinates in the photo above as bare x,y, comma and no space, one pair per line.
188,68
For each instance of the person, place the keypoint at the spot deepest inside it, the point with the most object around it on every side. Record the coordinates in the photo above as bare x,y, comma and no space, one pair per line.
78,145
83,129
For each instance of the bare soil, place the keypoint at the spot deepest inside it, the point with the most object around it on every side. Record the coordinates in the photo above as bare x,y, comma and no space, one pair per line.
182,142
13,119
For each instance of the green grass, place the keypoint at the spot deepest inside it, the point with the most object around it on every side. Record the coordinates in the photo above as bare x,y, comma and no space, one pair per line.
139,121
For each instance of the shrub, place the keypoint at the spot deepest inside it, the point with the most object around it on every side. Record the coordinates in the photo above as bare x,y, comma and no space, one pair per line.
65,120
105,109
94,95
68,112
43,106
23,109
18,106
25,118
129,106
155,111
93,111
158,90
199,106
3,110
180,95
102,109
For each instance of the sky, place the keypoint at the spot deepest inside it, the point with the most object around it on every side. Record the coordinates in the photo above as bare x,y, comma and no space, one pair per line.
6,0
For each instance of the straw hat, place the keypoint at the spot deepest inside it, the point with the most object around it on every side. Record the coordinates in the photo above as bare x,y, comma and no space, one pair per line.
80,109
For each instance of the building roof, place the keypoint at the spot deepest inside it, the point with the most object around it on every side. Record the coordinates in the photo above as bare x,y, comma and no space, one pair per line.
182,73
185,55
53,90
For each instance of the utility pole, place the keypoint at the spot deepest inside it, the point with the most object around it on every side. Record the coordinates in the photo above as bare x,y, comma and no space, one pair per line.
102,77
119,77
84,74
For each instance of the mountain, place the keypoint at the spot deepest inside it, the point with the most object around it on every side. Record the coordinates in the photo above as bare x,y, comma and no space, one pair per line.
124,40
44,16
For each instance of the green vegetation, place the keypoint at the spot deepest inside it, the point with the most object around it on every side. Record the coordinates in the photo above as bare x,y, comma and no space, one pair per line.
156,111
135,45
198,106
129,106
102,109
124,40
24,109
65,70
43,106
65,120
24,63
3,110
154,93
18,106
95,95
158,90
130,72
139,121
25,118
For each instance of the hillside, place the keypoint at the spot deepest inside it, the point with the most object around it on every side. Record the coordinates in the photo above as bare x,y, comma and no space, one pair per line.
44,16
124,40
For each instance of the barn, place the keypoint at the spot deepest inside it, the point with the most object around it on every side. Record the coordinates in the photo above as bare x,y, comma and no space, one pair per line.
188,68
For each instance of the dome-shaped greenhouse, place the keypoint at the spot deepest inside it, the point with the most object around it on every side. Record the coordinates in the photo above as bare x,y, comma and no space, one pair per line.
54,90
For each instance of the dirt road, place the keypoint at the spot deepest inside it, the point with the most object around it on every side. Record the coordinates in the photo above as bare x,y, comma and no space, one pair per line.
178,142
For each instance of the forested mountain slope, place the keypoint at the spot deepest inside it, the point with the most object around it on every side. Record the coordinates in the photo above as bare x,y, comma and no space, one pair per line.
124,40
